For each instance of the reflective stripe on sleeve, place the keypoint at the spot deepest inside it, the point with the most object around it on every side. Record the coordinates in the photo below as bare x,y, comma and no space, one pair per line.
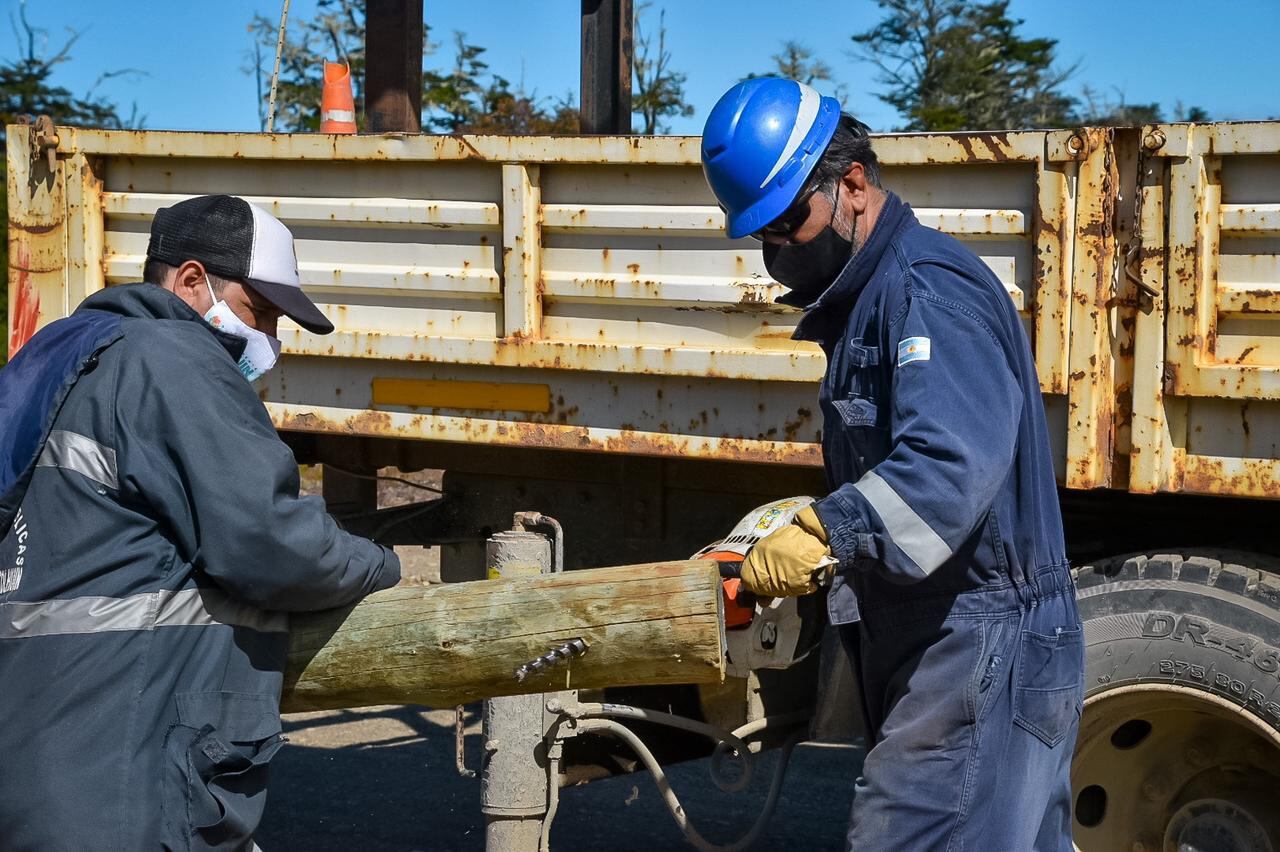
187,608
85,456
908,530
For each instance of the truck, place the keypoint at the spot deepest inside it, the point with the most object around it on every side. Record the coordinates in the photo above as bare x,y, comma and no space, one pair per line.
560,324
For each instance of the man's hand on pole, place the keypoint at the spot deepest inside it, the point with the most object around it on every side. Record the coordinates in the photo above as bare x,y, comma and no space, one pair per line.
791,561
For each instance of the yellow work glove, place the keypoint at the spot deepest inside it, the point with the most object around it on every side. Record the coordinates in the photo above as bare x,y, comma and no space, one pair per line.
789,561
807,519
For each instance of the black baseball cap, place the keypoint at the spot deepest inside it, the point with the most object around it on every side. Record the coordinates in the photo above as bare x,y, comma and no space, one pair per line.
238,240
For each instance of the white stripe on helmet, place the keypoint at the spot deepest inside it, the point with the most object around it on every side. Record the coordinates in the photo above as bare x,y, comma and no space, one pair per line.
806,117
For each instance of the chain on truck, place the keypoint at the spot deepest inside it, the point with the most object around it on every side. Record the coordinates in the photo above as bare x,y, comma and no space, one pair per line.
559,325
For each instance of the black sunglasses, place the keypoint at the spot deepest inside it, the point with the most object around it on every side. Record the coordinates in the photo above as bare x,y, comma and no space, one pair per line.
791,219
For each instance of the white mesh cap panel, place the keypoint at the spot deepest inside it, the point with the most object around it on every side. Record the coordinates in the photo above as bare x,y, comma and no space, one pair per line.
272,258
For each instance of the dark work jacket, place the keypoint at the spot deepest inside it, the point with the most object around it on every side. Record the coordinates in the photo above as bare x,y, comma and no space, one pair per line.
934,437
151,542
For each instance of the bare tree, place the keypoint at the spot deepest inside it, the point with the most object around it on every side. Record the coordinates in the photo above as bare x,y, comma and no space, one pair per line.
659,91
796,62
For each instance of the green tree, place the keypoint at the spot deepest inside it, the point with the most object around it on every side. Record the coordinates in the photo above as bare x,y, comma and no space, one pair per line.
470,99
1192,113
465,98
957,65
452,99
511,112
335,34
27,88
659,91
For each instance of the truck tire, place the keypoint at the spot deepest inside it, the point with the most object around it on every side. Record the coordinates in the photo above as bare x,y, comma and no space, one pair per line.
1179,746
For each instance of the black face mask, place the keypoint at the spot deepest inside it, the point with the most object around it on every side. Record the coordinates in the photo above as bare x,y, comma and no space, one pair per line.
808,268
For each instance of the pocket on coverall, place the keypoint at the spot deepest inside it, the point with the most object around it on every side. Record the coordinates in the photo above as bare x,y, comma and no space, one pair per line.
1047,692
215,784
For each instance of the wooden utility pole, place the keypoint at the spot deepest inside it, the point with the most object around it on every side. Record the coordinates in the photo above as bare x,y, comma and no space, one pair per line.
454,643
606,66
393,66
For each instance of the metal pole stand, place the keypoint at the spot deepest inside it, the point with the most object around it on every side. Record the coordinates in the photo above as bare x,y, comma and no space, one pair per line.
524,734
517,774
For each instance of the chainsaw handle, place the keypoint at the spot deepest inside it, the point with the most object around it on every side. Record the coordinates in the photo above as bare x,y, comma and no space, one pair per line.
730,570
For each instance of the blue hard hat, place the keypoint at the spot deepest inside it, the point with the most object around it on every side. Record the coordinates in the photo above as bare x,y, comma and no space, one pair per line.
760,143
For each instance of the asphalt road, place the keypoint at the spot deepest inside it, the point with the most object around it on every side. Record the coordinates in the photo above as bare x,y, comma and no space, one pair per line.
383,780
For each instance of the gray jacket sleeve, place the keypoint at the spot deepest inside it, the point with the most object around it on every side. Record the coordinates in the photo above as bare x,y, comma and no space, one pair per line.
205,457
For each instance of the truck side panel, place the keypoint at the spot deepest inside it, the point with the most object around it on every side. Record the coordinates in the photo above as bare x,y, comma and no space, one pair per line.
578,293
595,271
1212,415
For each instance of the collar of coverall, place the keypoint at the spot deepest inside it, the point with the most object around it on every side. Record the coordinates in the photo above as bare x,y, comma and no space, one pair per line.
836,299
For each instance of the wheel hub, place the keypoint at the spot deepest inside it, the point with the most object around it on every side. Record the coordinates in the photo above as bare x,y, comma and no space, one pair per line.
1166,768
1214,825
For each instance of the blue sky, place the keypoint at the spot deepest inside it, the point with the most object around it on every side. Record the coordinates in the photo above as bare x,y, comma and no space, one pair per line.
1220,56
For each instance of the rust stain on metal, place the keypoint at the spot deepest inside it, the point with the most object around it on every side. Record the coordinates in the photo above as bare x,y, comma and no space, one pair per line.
26,305
473,153
1245,354
554,436
1252,478
791,428
34,230
1092,393
1124,407
360,423
997,144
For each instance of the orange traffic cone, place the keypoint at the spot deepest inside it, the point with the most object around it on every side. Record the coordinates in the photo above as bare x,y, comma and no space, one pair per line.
337,106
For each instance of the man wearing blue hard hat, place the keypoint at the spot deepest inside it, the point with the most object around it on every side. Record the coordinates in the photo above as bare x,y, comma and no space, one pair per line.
950,585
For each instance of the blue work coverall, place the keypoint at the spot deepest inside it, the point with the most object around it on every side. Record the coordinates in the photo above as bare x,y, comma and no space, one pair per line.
953,591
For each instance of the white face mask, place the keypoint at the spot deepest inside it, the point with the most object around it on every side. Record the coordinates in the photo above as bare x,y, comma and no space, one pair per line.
262,351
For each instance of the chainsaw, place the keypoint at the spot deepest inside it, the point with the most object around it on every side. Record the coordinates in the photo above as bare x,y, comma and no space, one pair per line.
763,633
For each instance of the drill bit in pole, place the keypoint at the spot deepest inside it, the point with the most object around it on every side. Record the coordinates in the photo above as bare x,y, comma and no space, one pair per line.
569,650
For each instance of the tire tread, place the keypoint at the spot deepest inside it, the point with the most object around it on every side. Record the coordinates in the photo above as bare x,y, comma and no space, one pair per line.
1252,575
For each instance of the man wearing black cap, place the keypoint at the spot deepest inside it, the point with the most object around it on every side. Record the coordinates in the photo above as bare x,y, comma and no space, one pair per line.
152,540
241,248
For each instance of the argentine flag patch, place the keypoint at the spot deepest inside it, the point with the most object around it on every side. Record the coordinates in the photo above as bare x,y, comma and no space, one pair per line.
913,349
